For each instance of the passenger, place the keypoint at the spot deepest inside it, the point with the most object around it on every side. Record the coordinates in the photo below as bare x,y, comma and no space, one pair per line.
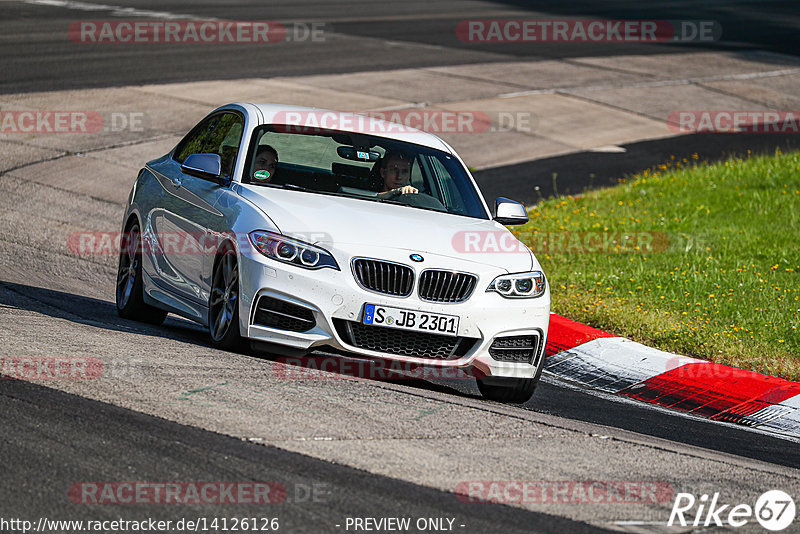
395,173
265,164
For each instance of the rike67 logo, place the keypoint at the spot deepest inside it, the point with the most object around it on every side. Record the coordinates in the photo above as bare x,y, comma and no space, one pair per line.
774,510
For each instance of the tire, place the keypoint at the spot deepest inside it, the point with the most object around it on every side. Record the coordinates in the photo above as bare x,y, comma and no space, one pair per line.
510,390
223,302
130,290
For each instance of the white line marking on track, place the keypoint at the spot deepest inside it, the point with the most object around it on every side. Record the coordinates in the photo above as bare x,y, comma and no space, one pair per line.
118,11
121,11
657,83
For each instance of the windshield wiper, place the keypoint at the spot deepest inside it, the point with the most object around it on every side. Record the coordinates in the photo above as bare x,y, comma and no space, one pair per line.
293,187
388,201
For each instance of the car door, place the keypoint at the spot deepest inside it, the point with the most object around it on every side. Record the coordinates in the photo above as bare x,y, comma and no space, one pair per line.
187,217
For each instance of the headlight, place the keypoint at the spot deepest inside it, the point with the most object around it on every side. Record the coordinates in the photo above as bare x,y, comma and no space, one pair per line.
520,285
292,251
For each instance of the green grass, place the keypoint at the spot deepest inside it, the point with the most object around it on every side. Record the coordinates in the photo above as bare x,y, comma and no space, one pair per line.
721,280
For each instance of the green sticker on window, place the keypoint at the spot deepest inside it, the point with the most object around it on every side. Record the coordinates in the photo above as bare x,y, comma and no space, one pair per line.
261,175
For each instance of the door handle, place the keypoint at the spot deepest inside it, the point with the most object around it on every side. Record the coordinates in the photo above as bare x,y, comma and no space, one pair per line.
176,181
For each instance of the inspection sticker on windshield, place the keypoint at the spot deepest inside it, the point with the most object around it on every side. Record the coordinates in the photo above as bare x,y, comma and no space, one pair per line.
410,319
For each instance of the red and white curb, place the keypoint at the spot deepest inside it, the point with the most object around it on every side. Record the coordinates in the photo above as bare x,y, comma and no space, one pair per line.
612,364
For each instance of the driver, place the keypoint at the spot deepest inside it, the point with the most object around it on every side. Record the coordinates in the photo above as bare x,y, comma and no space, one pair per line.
395,171
264,165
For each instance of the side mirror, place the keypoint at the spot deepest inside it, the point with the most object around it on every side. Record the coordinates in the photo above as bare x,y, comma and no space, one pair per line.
207,166
509,211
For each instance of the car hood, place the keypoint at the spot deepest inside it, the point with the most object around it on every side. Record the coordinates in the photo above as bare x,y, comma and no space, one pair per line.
332,221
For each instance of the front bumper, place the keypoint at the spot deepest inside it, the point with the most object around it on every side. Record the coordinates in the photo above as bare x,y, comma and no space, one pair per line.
334,299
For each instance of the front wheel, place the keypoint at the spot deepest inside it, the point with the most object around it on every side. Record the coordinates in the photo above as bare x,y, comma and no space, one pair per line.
511,390
223,303
130,290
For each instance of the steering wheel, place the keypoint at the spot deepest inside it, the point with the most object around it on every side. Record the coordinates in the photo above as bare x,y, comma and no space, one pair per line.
420,200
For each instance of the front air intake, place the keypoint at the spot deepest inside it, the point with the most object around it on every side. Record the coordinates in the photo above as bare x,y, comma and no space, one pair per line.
403,342
519,349
283,315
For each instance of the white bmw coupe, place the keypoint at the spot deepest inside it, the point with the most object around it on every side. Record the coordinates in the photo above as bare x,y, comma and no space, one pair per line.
298,229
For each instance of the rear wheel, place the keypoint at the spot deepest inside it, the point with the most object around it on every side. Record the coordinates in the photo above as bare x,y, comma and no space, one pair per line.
223,302
130,290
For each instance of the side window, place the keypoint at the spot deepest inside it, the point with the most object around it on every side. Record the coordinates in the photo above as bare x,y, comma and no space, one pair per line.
417,179
220,134
451,196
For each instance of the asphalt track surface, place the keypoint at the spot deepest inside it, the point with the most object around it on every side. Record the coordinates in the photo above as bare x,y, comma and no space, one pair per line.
364,35
53,438
104,434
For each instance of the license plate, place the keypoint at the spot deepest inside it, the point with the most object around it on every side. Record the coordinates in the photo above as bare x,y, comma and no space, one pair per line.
435,323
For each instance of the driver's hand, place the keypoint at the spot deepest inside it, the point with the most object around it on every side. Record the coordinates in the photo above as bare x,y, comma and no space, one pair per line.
391,193
406,189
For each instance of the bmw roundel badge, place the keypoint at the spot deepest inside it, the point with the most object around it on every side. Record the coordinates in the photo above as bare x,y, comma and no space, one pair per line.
416,257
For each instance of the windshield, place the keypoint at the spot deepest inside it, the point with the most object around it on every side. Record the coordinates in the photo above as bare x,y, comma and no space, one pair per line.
361,166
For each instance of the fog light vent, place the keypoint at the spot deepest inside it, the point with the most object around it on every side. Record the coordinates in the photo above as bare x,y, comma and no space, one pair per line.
283,315
520,349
